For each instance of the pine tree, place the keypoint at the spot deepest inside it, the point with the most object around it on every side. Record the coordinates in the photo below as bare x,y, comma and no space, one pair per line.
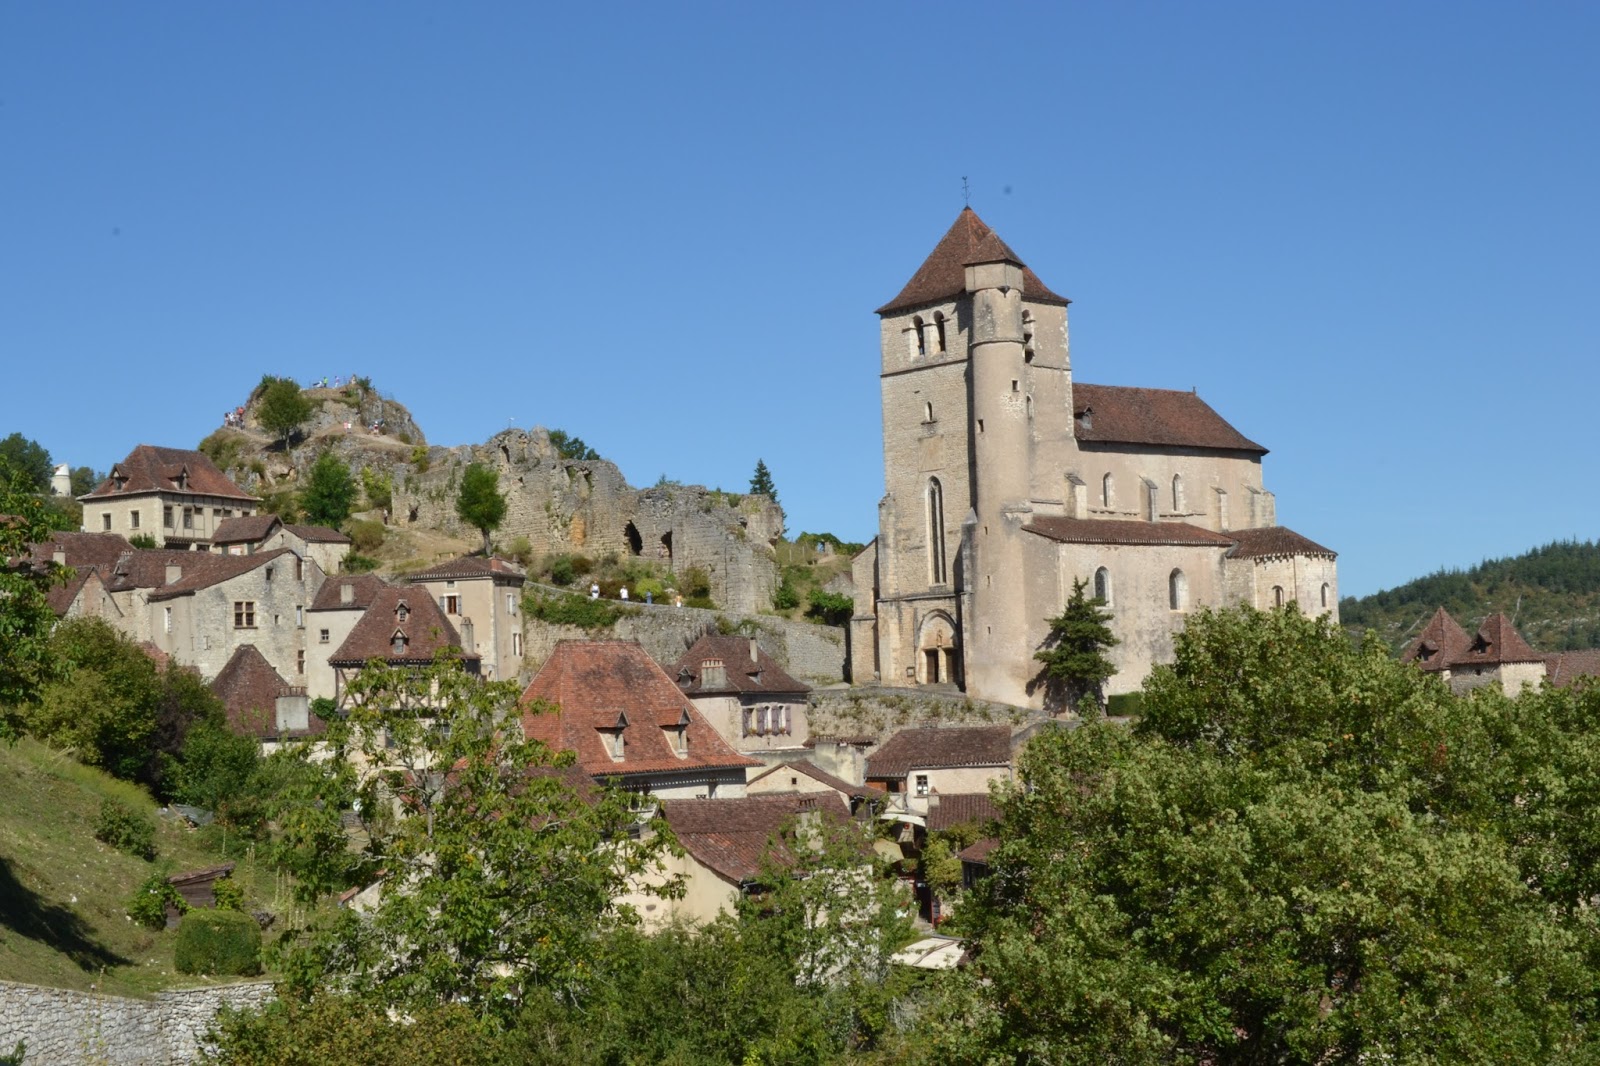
761,481
1075,665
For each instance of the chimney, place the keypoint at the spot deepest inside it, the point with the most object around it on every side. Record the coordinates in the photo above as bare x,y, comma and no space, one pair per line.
713,674
174,573
753,651
467,635
347,592
59,556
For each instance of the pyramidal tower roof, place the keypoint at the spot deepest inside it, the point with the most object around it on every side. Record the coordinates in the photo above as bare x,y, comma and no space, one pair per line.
943,274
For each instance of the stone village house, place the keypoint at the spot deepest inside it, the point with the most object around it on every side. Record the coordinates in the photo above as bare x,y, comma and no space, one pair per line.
1006,480
174,495
742,691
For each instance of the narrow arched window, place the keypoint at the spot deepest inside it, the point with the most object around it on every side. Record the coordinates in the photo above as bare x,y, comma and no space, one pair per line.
1177,493
922,342
1277,595
927,411
1177,590
936,567
1324,594
1105,491
938,329
1102,586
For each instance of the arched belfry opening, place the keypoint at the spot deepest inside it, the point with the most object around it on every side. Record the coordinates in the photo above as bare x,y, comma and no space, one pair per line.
666,547
635,542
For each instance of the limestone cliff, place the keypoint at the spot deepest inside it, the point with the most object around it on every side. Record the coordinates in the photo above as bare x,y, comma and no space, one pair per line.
559,504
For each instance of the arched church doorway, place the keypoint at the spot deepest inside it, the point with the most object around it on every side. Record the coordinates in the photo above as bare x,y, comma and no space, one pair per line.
938,658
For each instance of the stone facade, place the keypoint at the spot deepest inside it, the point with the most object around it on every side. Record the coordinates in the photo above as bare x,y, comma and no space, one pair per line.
1007,481
62,1027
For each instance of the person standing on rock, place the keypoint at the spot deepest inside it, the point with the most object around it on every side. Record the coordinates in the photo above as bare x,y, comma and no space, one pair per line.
624,593
594,591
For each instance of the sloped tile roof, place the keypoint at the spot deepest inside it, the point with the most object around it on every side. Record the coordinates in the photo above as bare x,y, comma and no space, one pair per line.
932,748
1272,542
594,685
960,808
317,534
731,837
1497,641
816,773
1121,414
249,529
364,588
978,852
757,676
1444,645
1441,641
470,566
1567,667
61,597
151,469
82,549
203,569
1125,531
943,274
426,630
249,688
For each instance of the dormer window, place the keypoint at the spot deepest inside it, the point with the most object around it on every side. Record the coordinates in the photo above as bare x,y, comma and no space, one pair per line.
679,738
401,613
398,642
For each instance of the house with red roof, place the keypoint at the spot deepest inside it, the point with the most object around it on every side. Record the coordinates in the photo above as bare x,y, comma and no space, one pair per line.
482,597
264,532
260,703
1493,654
175,496
398,628
617,710
751,701
1008,480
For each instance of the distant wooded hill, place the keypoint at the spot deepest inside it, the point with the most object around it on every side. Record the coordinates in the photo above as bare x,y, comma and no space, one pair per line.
1552,594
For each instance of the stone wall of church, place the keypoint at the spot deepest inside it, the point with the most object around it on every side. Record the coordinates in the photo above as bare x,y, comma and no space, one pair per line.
1302,578
1214,492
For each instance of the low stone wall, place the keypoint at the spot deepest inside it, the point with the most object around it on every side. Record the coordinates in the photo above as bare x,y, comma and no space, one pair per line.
811,653
62,1027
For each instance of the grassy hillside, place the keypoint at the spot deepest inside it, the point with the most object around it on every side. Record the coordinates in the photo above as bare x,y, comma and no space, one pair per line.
1552,593
62,893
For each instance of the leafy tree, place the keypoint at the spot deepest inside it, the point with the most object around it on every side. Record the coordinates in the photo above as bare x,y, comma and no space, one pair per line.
481,503
214,767
1075,664
378,487
330,491
830,608
1305,852
25,616
331,1029
26,464
283,408
497,872
570,447
761,481
84,480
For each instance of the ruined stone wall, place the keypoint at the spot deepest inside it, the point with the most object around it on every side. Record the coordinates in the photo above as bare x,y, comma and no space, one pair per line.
62,1027
569,505
811,653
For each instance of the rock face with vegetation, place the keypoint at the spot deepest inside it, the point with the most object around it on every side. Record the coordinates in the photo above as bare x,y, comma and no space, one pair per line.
558,502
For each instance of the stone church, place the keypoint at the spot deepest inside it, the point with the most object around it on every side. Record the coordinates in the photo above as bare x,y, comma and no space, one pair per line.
1007,480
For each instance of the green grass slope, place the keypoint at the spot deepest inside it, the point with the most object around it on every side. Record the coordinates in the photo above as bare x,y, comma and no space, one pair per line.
1552,593
62,893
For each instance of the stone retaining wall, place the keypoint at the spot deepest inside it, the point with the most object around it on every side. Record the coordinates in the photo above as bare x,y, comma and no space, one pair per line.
812,653
63,1027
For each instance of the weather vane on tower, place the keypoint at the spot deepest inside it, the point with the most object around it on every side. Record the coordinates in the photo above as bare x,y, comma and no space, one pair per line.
966,193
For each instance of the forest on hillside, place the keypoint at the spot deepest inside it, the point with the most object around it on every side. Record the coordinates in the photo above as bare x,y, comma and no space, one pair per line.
1551,593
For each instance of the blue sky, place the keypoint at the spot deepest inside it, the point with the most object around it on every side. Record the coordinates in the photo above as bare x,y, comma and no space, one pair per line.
1366,233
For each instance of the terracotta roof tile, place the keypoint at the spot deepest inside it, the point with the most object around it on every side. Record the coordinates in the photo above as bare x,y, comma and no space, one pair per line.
249,529
249,688
932,748
593,686
1439,643
82,549
1566,668
816,773
943,274
979,851
747,668
1497,641
960,808
1273,542
151,469
470,566
423,626
1125,531
363,589
203,569
731,837
1119,414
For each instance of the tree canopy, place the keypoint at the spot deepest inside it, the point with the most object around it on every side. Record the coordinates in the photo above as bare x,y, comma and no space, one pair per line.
283,408
26,464
25,614
481,504
761,481
1075,664
330,491
568,446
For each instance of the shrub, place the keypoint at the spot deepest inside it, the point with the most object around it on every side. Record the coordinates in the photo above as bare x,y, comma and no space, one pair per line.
378,487
521,549
356,563
149,903
831,608
580,611
230,894
419,458
786,598
223,447
365,537
223,943
1126,704
143,540
126,830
